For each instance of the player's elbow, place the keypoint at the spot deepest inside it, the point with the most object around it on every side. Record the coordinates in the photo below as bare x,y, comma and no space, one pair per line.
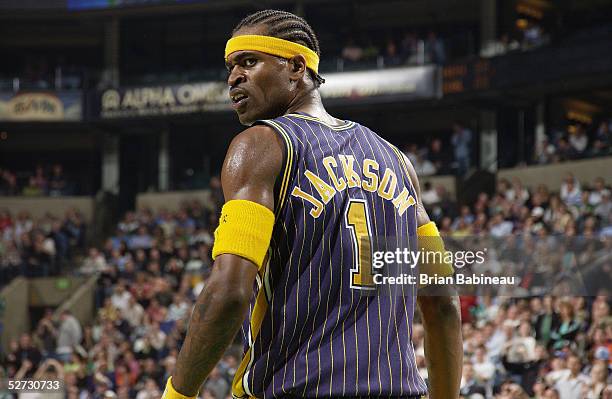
227,299
435,308
237,300
230,285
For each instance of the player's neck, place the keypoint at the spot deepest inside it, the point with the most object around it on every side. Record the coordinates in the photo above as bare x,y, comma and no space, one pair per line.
310,103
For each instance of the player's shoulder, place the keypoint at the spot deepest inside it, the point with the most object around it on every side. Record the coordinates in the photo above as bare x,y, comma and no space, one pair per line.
255,136
254,152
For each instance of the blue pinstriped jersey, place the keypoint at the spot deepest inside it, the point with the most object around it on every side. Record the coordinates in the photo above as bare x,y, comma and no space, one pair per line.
312,331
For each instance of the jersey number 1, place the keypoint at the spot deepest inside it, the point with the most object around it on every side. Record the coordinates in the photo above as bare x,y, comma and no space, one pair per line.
358,221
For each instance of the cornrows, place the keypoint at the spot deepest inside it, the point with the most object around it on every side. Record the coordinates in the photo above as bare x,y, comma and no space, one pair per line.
287,26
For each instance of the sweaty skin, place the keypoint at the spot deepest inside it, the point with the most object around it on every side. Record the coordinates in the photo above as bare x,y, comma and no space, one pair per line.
253,161
274,87
439,307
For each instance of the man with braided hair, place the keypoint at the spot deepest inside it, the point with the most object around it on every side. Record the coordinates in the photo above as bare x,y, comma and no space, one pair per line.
308,198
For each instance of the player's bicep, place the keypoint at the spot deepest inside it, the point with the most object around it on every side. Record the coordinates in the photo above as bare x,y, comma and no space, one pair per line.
248,176
251,166
436,261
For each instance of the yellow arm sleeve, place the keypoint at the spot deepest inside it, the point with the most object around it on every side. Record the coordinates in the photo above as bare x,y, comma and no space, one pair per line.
245,229
433,252
171,393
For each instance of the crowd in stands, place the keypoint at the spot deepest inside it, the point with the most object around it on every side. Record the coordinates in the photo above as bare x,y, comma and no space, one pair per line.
578,141
410,50
536,346
38,247
528,35
438,159
42,182
155,265
457,155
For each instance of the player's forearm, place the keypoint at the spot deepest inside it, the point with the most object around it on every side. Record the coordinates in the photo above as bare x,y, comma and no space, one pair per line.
443,345
216,318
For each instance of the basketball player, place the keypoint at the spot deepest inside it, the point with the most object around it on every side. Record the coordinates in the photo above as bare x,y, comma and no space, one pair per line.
306,196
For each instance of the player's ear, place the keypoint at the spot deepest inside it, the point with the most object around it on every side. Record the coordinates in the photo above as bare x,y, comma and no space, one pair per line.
297,65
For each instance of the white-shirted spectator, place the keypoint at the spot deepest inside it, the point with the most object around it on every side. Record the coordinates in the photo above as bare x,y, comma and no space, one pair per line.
69,333
559,370
423,166
429,195
517,193
598,381
579,140
178,309
499,227
599,191
134,313
94,262
150,390
483,367
571,193
121,297
572,385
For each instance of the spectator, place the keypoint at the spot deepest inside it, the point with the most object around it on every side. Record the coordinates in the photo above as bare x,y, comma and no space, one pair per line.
27,357
546,152
392,58
370,51
533,36
565,151
469,384
517,193
94,262
570,191
500,227
178,309
409,48
57,182
8,183
46,333
32,189
461,140
121,297
429,195
603,140
69,334
352,52
547,321
573,385
510,390
598,381
411,151
438,157
141,240
604,209
39,179
216,384
150,390
423,167
434,49
579,141
598,192
568,326
551,393
484,369
521,349
134,313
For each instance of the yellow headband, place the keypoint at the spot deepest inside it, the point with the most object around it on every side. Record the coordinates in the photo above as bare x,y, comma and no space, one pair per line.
272,45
